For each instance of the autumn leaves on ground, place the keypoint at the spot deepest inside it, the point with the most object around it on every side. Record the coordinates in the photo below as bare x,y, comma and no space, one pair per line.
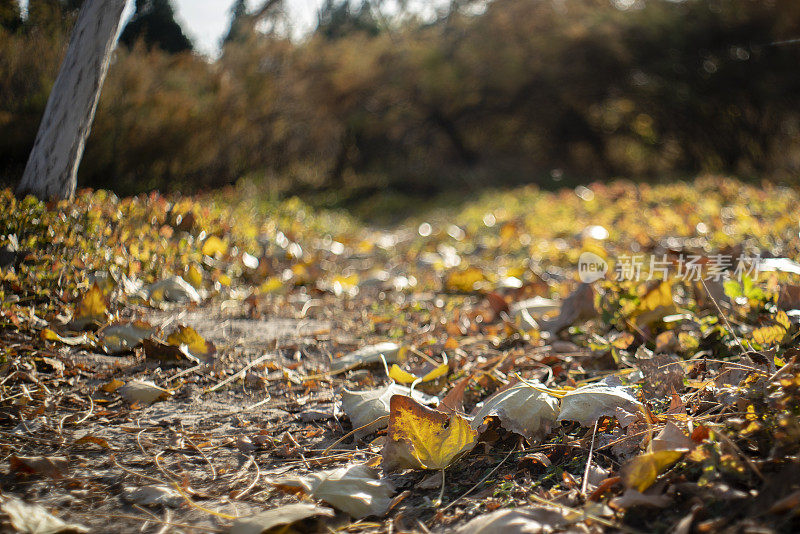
225,364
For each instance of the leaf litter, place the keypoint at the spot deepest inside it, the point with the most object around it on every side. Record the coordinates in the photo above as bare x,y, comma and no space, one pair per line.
179,361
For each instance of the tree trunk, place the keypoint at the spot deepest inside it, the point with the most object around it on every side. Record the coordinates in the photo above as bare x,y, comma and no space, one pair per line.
53,164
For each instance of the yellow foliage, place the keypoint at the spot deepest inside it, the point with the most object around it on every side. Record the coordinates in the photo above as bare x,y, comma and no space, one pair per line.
91,309
404,377
214,245
466,280
641,472
195,343
654,305
423,438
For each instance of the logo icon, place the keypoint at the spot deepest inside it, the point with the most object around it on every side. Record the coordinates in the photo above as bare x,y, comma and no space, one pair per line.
591,267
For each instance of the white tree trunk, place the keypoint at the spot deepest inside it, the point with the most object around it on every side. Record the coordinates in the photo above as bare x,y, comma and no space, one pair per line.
53,164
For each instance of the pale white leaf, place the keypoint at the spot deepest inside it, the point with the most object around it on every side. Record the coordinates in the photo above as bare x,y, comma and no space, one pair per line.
522,409
633,498
35,519
122,337
525,520
283,515
367,355
355,489
152,495
173,289
589,403
142,391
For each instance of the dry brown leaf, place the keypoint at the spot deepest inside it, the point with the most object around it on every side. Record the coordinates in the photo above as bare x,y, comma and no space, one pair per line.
51,466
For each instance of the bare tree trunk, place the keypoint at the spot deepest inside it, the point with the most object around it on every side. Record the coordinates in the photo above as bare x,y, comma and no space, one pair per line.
53,164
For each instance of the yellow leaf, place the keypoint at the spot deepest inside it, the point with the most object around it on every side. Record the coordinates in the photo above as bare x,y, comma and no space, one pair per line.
196,345
214,245
768,335
271,284
654,305
112,386
91,309
194,276
623,341
48,335
641,472
424,438
404,377
465,281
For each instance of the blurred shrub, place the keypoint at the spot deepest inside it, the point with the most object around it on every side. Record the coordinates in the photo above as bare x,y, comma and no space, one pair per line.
517,92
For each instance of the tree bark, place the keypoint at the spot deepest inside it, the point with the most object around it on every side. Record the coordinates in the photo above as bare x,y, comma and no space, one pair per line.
53,164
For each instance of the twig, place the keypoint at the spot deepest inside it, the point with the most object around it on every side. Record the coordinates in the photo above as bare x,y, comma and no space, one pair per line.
195,447
237,375
724,318
134,473
193,504
438,501
252,484
588,461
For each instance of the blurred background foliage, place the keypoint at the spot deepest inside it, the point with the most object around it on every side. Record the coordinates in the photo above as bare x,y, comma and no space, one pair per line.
378,98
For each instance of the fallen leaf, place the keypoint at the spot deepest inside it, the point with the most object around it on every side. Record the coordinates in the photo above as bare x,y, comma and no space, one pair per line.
142,392
73,341
214,245
194,342
369,409
404,377
152,496
96,440
117,338
522,409
661,373
578,306
91,310
423,438
355,489
194,275
671,438
370,354
283,515
589,403
112,386
641,471
528,311
51,466
633,498
654,305
164,352
454,400
786,504
34,519
465,281
524,520
173,289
